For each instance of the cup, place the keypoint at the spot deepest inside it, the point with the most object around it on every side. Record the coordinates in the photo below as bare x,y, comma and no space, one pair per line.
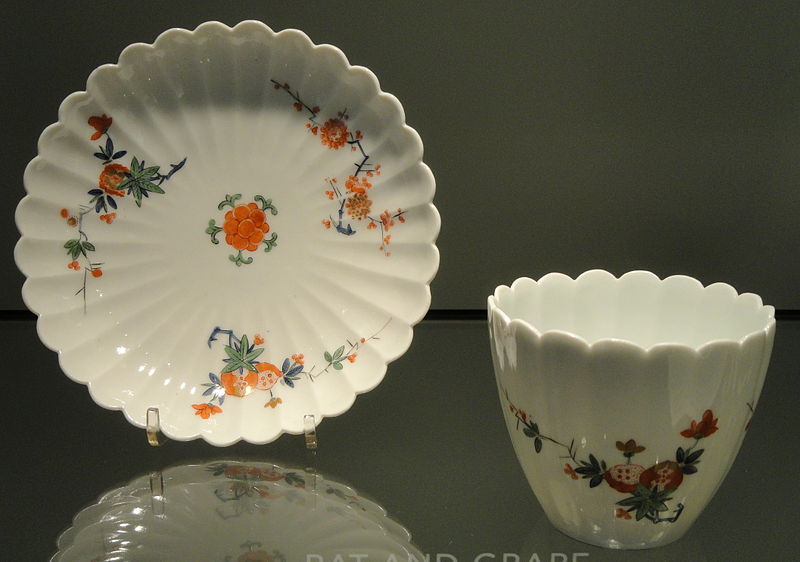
627,398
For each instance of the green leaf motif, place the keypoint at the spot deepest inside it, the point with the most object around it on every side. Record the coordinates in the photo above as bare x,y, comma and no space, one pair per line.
293,478
138,183
537,445
230,201
151,187
328,357
271,243
338,366
149,172
240,358
254,354
213,230
231,366
266,204
692,458
647,502
239,259
338,353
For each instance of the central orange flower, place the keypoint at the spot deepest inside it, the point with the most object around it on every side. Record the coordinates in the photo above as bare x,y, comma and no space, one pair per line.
334,134
245,227
703,428
110,178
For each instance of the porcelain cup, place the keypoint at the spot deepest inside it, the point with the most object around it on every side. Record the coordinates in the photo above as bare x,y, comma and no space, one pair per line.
627,398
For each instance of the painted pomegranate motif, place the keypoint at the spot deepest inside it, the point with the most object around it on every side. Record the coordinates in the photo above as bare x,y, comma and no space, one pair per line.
624,477
648,491
242,384
666,475
270,475
243,373
239,384
235,471
268,375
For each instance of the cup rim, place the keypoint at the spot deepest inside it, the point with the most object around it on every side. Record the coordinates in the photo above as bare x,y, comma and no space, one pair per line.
494,309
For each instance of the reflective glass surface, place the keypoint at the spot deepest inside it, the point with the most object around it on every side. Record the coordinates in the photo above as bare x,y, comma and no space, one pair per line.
428,446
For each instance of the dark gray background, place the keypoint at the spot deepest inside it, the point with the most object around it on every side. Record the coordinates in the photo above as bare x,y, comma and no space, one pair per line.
563,136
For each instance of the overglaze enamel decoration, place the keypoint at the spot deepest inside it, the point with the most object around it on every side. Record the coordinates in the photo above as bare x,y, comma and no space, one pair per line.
223,217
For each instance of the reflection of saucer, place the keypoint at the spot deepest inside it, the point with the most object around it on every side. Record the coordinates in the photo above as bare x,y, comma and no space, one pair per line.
232,225
234,512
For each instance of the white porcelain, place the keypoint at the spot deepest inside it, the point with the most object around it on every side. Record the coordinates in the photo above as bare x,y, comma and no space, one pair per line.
627,398
237,511
226,188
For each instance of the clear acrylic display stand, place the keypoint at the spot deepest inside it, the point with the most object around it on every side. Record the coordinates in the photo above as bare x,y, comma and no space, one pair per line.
153,429
157,497
155,438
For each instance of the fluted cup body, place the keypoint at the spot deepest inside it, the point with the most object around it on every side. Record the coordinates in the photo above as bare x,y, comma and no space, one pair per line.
627,399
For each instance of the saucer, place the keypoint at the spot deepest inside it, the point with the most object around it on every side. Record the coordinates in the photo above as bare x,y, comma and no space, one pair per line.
232,225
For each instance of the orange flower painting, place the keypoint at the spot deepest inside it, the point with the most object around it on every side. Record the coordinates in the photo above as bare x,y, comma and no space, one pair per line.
705,427
245,227
114,181
111,177
101,124
355,205
334,134
205,411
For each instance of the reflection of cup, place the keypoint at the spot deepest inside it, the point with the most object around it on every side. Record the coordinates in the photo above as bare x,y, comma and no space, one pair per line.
627,399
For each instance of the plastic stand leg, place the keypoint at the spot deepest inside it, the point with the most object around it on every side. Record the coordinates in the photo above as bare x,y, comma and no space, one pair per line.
154,436
310,431
157,497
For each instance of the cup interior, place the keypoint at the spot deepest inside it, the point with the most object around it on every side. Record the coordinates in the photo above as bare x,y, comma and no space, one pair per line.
637,307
